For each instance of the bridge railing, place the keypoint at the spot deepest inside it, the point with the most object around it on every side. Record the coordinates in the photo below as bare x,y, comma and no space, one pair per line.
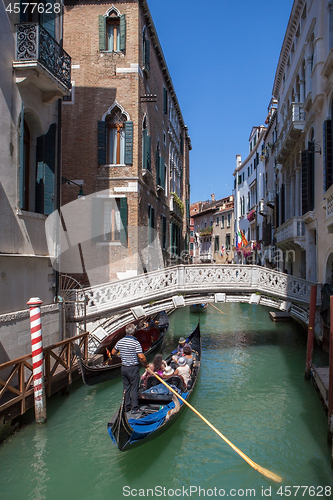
191,279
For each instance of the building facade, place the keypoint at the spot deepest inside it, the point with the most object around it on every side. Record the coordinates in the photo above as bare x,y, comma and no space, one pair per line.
125,138
32,84
302,142
249,192
213,231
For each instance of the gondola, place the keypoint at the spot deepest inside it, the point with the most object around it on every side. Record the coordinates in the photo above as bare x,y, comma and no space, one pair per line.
198,308
157,411
151,338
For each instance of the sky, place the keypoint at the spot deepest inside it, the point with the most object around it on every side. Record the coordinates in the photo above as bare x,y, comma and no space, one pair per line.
222,57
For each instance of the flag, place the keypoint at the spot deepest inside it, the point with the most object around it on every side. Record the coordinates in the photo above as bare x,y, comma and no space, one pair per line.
244,240
222,250
239,244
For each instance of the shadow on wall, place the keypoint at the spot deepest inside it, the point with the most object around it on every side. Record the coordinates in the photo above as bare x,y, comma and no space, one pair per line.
12,238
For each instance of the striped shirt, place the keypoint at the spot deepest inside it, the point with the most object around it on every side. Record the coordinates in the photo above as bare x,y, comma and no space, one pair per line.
129,348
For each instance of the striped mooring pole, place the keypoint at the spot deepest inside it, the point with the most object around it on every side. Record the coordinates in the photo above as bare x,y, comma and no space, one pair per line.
37,359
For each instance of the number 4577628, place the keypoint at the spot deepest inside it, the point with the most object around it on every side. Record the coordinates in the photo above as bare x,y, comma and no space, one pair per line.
41,8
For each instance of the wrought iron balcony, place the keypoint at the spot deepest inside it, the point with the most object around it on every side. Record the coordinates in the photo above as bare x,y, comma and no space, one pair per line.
41,60
292,128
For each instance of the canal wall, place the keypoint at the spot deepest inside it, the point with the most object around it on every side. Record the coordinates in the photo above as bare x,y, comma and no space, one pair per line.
15,335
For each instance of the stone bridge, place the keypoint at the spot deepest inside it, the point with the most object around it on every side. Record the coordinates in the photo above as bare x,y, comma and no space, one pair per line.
111,305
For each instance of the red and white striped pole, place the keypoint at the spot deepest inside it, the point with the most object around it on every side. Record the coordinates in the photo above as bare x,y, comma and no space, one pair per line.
37,359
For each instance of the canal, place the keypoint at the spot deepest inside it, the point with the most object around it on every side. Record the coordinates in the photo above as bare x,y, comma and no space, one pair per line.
251,387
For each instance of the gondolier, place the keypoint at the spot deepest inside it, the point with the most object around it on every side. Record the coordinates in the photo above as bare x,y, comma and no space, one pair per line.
131,354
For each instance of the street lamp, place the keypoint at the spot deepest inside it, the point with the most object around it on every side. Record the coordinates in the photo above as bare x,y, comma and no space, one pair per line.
64,180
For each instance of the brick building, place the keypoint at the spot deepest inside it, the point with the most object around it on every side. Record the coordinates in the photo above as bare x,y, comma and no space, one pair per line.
124,141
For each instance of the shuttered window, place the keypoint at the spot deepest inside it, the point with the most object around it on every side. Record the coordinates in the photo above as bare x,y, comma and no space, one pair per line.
327,154
45,172
146,150
109,220
308,179
112,33
146,52
151,224
115,143
163,232
165,101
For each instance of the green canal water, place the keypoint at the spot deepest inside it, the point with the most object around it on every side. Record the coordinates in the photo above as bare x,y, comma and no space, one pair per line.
251,387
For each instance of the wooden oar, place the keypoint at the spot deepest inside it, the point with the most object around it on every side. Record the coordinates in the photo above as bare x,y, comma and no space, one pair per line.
217,308
262,470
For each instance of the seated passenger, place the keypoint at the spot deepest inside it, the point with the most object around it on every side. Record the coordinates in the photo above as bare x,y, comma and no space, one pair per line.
188,355
157,366
168,371
180,349
183,369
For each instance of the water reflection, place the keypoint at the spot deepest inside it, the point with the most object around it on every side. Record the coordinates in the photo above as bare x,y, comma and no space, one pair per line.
39,465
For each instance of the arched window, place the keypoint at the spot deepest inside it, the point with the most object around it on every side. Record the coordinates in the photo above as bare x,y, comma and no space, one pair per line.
115,123
115,137
112,31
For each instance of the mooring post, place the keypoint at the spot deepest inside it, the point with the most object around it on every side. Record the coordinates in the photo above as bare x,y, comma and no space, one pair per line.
330,382
37,359
312,316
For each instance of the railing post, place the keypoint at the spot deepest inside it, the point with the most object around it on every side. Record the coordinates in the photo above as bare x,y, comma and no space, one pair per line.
37,359
310,342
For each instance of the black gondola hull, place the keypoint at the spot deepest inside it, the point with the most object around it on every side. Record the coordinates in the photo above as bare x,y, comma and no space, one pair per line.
121,431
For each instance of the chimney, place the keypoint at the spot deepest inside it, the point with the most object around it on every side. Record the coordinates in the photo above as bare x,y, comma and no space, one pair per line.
238,160
213,197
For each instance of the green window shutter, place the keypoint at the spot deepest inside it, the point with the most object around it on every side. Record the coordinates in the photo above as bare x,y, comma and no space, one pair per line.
128,143
124,220
122,32
165,101
21,167
144,148
39,193
97,219
147,54
148,152
101,143
327,154
49,169
161,172
102,32
157,168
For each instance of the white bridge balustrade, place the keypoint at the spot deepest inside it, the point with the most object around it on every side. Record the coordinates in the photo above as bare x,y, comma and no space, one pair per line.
234,280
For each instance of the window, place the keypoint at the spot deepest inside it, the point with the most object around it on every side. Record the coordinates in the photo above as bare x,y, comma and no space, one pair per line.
151,224
222,222
115,139
217,243
109,220
146,147
227,241
229,220
165,101
112,31
327,154
308,179
191,234
36,181
217,220
146,51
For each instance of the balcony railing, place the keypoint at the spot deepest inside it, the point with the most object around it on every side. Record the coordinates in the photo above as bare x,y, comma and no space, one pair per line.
34,43
176,206
292,128
291,232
